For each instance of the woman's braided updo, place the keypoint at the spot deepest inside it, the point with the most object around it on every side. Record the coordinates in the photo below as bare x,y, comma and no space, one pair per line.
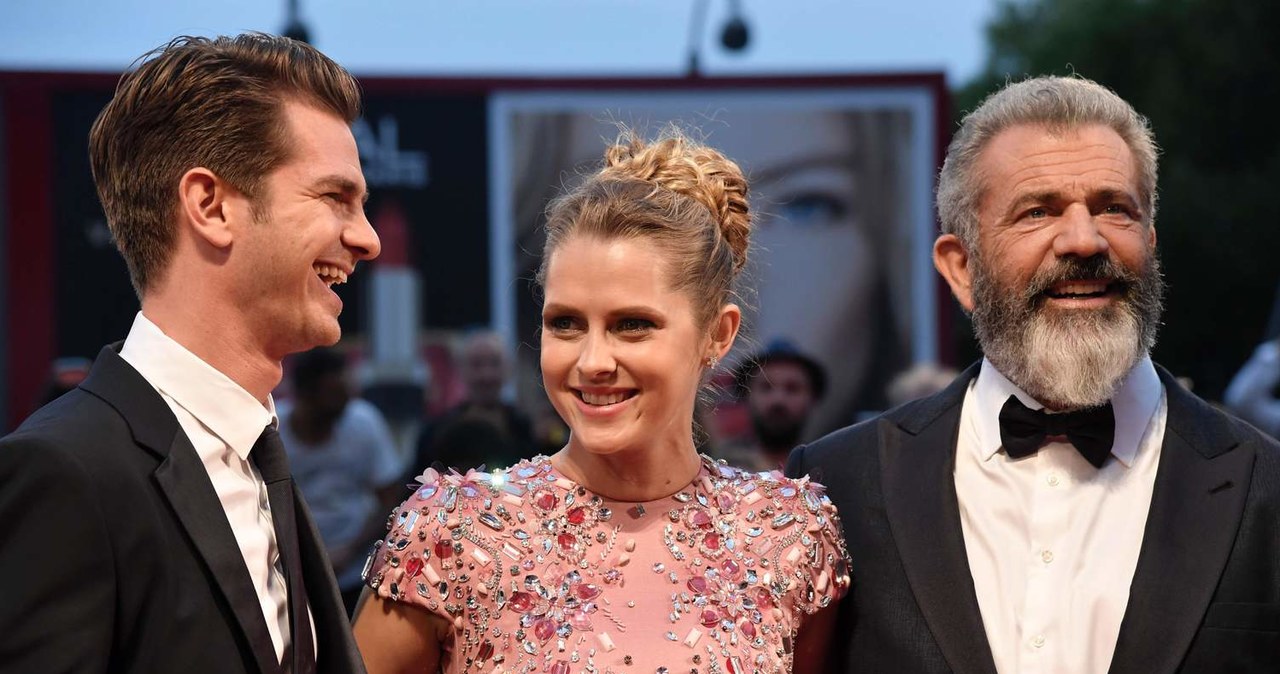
685,197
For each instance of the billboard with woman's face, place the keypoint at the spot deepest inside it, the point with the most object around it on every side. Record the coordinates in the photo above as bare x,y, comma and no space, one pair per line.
841,185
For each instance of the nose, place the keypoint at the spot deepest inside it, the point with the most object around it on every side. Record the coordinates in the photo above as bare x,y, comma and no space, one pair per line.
1078,234
595,360
360,238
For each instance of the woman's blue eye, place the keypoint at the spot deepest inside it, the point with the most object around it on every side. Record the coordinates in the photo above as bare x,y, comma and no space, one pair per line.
633,324
814,209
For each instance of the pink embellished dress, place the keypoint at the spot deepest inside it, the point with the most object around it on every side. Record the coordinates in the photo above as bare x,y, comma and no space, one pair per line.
538,574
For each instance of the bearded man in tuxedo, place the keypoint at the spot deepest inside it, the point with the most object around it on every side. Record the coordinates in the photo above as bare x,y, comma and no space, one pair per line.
1063,506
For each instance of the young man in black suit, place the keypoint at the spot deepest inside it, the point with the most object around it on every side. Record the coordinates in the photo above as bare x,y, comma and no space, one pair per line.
148,520
1064,506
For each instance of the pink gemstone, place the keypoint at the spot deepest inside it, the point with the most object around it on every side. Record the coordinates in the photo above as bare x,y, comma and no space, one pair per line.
485,652
587,591
748,629
698,585
763,598
413,567
444,549
559,667
544,629
725,501
710,618
612,576
545,500
521,602
732,666
700,519
712,541
730,568
566,540
580,620
577,515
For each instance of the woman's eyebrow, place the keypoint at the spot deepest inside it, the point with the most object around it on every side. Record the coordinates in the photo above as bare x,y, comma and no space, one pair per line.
776,172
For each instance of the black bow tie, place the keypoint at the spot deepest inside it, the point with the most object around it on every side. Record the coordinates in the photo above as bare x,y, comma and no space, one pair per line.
1023,430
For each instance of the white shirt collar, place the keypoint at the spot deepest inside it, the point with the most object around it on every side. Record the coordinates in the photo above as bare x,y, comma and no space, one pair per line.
1134,403
218,403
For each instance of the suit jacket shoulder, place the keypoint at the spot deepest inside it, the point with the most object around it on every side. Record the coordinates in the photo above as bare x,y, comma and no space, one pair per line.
861,442
58,540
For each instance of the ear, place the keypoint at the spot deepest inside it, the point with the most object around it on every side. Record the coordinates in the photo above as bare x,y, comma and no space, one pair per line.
724,329
951,259
207,202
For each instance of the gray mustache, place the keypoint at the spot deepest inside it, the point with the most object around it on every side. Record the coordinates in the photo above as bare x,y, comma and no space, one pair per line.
1068,269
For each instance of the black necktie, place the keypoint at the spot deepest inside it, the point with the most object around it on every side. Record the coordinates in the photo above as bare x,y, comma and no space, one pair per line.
269,455
1023,430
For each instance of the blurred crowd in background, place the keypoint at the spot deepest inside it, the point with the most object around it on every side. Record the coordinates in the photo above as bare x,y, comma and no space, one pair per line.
1206,72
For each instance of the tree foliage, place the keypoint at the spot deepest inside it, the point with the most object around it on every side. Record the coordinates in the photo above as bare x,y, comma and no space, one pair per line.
1206,73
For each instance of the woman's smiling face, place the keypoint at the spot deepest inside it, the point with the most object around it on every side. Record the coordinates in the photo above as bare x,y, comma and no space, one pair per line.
622,352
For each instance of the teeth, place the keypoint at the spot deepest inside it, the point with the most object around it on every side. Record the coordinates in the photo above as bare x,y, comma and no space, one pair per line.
330,274
1081,288
610,399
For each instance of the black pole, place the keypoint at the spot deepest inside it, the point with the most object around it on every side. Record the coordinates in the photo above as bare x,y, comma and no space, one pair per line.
696,26
293,25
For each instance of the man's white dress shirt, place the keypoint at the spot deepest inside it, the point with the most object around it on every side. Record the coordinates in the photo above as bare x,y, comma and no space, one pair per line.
1052,541
223,421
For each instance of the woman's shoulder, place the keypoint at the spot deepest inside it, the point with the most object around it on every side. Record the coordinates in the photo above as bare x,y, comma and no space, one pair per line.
786,495
791,525
451,513
499,491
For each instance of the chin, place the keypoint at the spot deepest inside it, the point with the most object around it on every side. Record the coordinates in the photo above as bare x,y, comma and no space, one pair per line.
599,441
316,334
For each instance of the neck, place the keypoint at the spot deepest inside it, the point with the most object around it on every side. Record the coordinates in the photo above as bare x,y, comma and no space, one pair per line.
216,338
645,474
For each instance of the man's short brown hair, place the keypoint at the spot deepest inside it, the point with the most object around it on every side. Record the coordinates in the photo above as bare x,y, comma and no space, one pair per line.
209,102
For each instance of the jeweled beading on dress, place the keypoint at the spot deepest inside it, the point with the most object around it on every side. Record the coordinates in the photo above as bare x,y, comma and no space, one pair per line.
538,574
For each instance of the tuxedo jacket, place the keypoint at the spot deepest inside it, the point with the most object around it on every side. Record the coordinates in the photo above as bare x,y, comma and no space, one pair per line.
1205,595
116,554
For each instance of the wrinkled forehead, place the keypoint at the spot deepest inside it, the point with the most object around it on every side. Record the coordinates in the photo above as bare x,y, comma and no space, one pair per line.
1029,158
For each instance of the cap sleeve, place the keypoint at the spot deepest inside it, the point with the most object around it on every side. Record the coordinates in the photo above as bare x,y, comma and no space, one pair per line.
815,560
413,564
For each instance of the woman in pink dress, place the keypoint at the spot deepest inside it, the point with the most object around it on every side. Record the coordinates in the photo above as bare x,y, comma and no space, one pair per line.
626,551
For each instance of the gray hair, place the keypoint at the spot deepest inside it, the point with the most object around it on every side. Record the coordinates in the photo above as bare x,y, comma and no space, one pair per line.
1058,104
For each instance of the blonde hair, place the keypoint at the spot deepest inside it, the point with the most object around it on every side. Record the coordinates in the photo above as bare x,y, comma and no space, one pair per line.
686,197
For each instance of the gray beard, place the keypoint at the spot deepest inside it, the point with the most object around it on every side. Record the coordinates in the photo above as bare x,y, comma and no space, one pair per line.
1074,358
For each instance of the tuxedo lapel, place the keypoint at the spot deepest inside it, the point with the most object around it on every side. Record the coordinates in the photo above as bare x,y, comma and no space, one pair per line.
1199,497
185,483
335,646
917,459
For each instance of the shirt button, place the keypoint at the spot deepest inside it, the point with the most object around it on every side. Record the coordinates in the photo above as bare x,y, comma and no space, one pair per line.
1038,640
1053,480
1046,556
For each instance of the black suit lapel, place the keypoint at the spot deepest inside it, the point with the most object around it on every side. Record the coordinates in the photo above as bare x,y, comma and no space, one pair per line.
1199,497
185,484
917,458
335,647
